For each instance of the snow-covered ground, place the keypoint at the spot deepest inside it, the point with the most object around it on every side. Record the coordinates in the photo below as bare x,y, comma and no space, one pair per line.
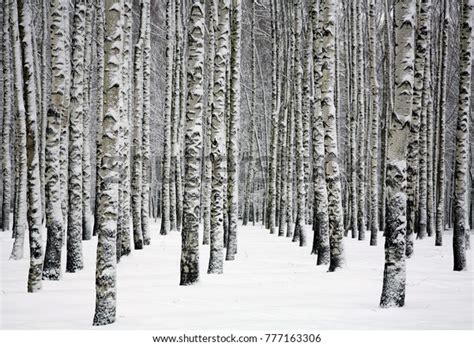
273,284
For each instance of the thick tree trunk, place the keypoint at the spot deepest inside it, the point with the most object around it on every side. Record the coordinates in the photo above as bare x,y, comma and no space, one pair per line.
393,291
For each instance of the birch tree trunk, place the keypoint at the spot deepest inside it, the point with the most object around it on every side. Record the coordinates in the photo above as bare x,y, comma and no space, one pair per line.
461,206
333,182
234,129
86,148
218,139
7,115
207,174
193,146
393,291
441,177
56,112
74,228
375,118
165,187
34,214
106,265
20,207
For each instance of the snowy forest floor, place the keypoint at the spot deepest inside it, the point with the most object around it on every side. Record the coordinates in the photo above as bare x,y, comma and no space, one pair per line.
272,284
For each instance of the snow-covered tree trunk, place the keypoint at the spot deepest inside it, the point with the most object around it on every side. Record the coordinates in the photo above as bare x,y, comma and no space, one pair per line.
146,124
207,173
320,206
86,148
218,139
99,10
361,115
106,265
441,177
299,234
393,291
193,146
57,110
333,182
19,217
165,187
7,116
234,129
74,226
137,149
123,222
375,118
34,214
461,176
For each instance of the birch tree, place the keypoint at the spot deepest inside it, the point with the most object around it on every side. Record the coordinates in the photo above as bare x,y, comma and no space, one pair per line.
193,146
106,265
74,225
218,140
461,225
393,291
34,214
333,183
234,129
57,111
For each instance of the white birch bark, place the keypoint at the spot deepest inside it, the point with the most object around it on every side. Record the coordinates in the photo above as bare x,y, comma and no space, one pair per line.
106,265
193,146
393,291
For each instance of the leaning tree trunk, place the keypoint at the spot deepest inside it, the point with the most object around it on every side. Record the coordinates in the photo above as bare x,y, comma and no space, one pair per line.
20,207
34,214
233,134
74,226
218,140
461,193
333,182
7,115
57,110
106,265
193,146
393,291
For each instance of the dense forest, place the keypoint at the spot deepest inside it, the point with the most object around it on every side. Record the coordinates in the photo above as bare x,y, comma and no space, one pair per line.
321,120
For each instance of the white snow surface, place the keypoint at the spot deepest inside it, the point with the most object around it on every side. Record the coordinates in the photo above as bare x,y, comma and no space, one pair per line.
272,285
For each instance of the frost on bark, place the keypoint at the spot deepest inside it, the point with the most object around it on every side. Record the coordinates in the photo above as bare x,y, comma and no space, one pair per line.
299,234
86,148
56,112
193,146
461,175
145,191
333,182
218,140
7,115
99,10
441,177
137,152
165,187
234,129
361,115
123,222
34,214
74,226
20,207
375,118
320,206
207,171
106,265
393,291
